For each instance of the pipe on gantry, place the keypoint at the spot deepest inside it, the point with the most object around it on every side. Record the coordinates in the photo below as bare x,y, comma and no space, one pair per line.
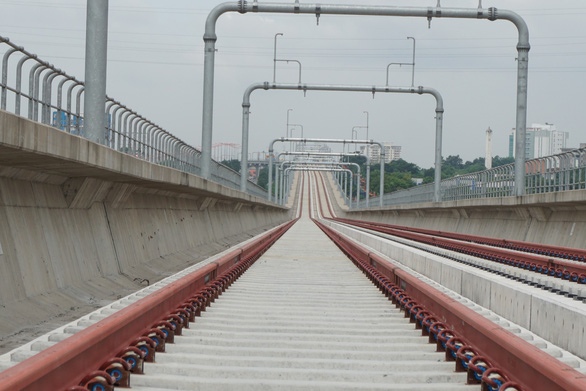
310,154
490,14
327,140
334,155
439,113
281,186
346,170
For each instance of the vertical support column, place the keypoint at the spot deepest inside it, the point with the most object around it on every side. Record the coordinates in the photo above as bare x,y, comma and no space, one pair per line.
208,106
438,156
270,179
521,123
382,177
367,182
351,185
278,190
244,159
95,70
358,187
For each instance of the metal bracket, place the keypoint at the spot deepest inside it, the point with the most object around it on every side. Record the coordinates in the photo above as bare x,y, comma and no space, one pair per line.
255,6
429,16
296,7
373,91
317,13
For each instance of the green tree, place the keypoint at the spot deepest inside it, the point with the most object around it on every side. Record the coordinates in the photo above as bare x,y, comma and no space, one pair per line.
473,166
402,166
453,161
233,164
263,178
397,181
501,161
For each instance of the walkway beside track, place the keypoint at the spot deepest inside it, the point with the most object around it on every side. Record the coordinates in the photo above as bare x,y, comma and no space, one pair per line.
302,317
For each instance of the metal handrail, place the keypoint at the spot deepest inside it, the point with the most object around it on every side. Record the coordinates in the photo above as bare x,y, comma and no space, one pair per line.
126,130
562,172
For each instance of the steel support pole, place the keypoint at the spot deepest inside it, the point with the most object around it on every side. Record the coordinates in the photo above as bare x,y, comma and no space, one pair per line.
96,51
437,196
244,158
521,120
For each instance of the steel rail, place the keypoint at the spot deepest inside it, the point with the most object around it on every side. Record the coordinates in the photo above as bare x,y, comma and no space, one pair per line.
67,363
566,270
468,338
569,253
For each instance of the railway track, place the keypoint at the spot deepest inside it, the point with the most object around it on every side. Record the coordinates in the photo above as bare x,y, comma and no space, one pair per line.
301,317
560,270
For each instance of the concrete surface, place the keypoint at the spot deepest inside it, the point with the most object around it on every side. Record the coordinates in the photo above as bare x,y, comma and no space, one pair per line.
302,317
82,225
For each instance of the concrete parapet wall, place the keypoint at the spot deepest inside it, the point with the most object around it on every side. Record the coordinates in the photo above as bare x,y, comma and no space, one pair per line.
81,224
551,218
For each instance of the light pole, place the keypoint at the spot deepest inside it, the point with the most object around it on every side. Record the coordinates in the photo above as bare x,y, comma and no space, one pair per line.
413,64
301,126
367,146
275,58
400,64
366,112
355,131
287,128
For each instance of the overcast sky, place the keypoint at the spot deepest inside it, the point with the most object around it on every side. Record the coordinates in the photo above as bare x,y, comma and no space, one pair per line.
155,66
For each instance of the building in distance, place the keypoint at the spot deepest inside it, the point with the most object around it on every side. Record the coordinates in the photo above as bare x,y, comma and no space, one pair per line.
392,152
540,140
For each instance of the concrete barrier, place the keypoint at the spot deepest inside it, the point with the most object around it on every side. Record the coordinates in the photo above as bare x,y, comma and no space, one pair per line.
81,224
551,218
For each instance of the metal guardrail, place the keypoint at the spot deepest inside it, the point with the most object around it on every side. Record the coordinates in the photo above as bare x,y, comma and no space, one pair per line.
562,172
127,131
